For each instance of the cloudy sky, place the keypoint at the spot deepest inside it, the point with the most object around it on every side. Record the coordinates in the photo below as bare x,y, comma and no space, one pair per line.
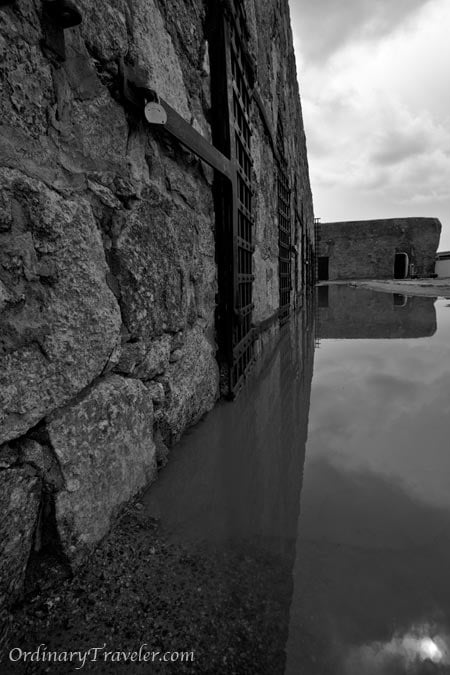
375,84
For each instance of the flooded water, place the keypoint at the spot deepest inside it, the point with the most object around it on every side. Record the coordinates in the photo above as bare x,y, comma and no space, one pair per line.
330,499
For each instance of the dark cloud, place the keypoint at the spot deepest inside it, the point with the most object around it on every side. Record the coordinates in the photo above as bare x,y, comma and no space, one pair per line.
396,146
392,386
324,26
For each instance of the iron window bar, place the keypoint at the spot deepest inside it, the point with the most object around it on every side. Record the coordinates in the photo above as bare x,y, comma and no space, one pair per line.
284,229
235,165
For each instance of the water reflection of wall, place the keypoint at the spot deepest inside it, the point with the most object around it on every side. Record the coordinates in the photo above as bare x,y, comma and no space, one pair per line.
233,486
347,312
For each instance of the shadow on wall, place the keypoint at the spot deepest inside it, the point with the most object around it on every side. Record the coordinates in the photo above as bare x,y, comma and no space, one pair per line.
345,312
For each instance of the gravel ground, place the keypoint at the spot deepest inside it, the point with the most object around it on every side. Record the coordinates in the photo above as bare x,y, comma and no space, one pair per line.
227,606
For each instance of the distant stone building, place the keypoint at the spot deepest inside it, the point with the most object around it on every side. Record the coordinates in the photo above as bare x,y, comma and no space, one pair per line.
377,249
443,264
156,225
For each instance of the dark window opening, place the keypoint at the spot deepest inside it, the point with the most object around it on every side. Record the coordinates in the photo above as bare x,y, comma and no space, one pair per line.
322,268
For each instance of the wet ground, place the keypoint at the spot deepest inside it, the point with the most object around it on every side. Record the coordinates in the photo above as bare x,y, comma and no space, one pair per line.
412,287
303,529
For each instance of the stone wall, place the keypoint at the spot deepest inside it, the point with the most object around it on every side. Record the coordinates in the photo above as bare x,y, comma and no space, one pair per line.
443,265
278,86
108,276
366,249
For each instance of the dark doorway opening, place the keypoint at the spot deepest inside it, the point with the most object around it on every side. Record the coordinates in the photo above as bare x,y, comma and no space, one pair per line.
322,268
401,266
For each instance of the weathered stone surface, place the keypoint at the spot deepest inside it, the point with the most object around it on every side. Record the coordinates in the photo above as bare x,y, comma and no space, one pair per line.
156,358
165,278
58,330
366,249
192,389
20,496
32,452
43,460
185,21
154,54
266,293
145,360
104,444
176,355
88,127
272,45
132,353
8,456
25,74
156,390
104,27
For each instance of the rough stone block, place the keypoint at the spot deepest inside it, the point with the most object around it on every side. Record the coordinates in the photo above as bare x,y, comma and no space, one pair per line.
156,390
145,360
192,385
104,444
154,53
8,456
20,496
42,459
56,333
163,262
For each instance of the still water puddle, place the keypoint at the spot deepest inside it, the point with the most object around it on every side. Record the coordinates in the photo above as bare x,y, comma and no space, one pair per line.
337,490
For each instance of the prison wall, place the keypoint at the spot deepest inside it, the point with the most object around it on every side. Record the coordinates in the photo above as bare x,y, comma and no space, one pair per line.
277,84
366,249
108,257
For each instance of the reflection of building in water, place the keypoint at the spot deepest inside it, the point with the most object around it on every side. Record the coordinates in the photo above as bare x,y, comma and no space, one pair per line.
345,313
376,249
231,494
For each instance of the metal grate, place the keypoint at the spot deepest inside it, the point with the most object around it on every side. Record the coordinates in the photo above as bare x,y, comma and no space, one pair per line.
240,132
284,229
232,79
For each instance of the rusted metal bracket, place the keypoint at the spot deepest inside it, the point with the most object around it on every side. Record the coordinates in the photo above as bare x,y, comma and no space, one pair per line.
158,112
196,143
57,15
